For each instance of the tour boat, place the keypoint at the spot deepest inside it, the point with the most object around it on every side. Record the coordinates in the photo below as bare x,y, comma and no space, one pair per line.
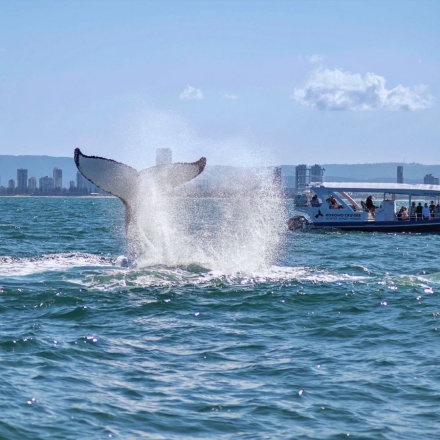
333,205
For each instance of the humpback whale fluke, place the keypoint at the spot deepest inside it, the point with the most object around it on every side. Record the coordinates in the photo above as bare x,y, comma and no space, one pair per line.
131,185
125,182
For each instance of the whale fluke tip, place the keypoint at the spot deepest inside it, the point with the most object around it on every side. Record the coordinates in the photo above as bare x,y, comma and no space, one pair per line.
201,163
76,155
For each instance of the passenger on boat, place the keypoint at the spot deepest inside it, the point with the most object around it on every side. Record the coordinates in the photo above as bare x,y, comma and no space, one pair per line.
333,204
437,210
315,201
413,213
419,211
370,205
432,210
425,212
402,214
405,215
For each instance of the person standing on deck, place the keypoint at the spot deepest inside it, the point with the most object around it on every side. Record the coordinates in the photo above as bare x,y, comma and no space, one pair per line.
370,205
425,212
419,211
412,212
432,210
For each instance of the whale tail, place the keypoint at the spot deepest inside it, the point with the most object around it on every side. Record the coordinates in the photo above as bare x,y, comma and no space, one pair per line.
125,182
132,186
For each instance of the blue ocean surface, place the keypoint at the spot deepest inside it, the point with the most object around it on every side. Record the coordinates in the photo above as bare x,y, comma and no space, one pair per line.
335,336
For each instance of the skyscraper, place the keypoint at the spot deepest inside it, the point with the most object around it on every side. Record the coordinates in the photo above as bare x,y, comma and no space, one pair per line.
301,178
316,174
46,184
400,174
57,178
429,179
22,180
32,184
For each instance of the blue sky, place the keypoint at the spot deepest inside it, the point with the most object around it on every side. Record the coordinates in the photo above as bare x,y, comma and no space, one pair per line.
240,82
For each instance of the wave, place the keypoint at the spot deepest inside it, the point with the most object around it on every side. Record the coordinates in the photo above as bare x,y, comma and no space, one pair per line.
18,267
102,273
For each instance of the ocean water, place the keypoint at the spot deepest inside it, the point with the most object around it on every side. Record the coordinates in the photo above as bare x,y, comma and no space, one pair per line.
228,334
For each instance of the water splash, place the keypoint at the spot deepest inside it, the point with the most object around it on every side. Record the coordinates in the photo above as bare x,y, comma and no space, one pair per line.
238,232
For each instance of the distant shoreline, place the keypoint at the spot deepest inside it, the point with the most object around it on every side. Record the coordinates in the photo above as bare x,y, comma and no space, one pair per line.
25,196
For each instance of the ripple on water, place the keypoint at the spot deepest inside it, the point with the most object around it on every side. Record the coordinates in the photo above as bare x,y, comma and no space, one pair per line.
336,342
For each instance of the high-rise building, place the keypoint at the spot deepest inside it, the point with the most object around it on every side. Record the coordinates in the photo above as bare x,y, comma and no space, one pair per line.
22,180
32,184
316,174
304,176
400,174
46,184
57,178
429,179
300,178
164,156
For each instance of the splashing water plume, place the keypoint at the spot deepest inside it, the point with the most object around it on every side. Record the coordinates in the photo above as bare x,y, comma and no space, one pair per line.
237,232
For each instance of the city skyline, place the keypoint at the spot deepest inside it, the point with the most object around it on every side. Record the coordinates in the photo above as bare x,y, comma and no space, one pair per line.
292,183
46,184
22,182
255,82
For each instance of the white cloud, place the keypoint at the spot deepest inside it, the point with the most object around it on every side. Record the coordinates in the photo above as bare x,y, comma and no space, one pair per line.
338,90
191,94
230,96
315,58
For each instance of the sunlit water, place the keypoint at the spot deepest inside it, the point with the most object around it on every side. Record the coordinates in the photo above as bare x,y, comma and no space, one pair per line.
310,335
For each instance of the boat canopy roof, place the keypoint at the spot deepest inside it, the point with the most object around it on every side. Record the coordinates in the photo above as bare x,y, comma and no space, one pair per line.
392,188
